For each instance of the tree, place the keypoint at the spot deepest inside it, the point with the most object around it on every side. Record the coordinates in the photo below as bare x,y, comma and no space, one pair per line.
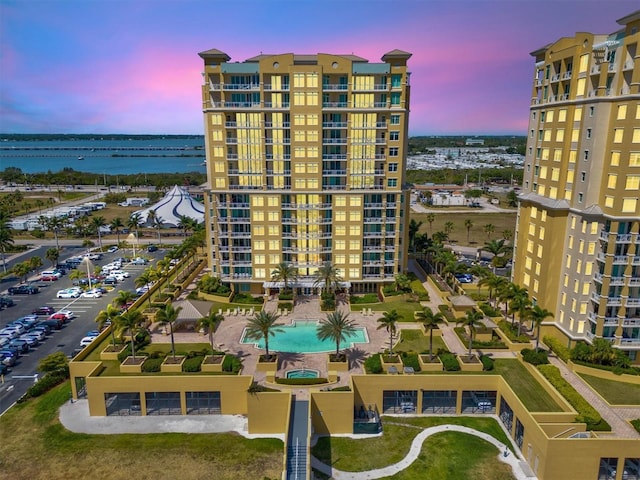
468,224
158,222
133,223
498,249
52,255
388,321
512,198
336,327
21,270
507,234
55,363
519,304
488,229
209,323
414,228
6,237
537,315
124,298
494,283
130,322
97,223
327,275
261,326
284,272
146,279
430,321
167,316
116,225
35,262
402,282
108,317
55,224
472,321
440,237
431,217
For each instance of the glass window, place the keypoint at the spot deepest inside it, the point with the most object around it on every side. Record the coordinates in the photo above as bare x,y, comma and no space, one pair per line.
399,401
439,401
395,119
479,401
608,467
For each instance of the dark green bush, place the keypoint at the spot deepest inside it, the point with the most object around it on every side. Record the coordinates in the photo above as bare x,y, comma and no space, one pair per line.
556,347
410,359
247,299
231,363
287,305
489,310
285,296
213,285
192,364
512,332
43,385
535,357
125,353
367,298
328,304
373,364
301,381
636,424
616,370
487,363
152,365
449,362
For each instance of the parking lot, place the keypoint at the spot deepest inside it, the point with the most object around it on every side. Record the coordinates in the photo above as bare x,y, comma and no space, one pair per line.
85,309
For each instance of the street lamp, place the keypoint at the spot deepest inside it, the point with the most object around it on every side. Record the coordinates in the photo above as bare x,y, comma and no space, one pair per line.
133,240
89,265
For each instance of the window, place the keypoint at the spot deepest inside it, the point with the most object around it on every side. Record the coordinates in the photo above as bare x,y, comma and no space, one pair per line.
577,115
560,135
354,245
395,119
580,197
622,112
354,216
258,244
354,230
341,230
612,180
341,259
583,176
634,159
592,110
632,183
259,259
586,155
394,136
340,244
629,205
258,216
584,63
636,136
575,135
354,259
392,182
615,159
394,151
274,216
618,133
355,202
608,201
562,115
340,216
393,167
354,273
274,244
395,98
588,133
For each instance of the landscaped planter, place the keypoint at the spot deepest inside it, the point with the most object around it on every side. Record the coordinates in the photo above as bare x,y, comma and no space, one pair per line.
212,363
394,362
427,366
267,366
112,352
172,366
132,365
437,332
339,366
472,364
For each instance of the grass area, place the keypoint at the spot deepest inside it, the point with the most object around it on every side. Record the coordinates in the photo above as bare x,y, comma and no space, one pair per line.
526,387
416,341
477,237
614,392
40,447
404,308
443,456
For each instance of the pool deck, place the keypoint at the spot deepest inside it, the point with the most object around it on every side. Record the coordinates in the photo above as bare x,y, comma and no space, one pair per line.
228,336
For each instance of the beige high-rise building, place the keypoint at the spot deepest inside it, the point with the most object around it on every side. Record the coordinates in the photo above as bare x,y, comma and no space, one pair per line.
577,240
306,165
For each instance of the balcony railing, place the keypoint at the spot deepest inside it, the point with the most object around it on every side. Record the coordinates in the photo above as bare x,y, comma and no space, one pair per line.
334,124
241,86
269,87
334,141
335,86
277,125
276,104
335,105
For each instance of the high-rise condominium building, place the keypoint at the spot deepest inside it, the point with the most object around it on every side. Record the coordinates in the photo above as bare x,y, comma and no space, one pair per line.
577,243
306,165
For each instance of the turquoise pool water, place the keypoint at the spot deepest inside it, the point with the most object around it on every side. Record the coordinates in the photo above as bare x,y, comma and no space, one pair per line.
300,337
303,373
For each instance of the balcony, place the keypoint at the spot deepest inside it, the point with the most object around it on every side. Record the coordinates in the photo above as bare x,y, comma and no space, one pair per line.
241,86
271,156
610,301
334,172
335,105
632,302
635,260
277,141
612,68
276,105
334,156
620,259
631,322
268,87
381,124
611,321
555,78
334,141
335,87
628,65
630,342
277,125
334,124
273,172
595,69
567,75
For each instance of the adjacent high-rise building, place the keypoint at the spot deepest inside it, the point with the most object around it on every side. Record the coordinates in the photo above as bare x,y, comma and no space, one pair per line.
578,240
306,165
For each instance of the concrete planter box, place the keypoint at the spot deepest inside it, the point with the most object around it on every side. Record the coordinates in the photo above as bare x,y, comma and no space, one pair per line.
338,366
212,363
468,366
172,367
427,366
132,366
399,366
263,366
111,354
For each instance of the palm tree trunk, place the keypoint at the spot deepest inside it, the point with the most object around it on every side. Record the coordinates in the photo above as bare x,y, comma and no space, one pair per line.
537,337
133,345
211,338
470,342
431,345
173,345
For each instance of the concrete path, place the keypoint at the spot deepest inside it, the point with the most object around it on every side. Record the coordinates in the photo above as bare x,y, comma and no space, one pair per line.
619,426
518,466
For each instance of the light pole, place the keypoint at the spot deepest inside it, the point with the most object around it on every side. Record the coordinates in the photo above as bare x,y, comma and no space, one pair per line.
133,240
89,265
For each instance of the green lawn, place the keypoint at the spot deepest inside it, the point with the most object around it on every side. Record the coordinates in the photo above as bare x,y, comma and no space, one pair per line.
614,392
416,341
40,447
526,387
443,456
404,308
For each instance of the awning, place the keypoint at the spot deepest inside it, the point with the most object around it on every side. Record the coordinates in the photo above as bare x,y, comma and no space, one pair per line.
302,284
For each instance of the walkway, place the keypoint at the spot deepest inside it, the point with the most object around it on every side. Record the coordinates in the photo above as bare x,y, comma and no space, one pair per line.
518,466
616,417
297,440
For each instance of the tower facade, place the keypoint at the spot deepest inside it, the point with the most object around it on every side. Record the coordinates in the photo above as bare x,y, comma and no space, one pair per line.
577,240
306,160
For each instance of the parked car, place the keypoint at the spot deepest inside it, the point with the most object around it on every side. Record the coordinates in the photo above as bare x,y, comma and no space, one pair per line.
40,327
53,324
67,313
110,281
86,341
17,326
31,341
38,334
23,290
8,358
9,333
45,310
48,278
9,350
152,248
112,249
3,368
139,261
6,302
92,333
93,293
21,345
68,293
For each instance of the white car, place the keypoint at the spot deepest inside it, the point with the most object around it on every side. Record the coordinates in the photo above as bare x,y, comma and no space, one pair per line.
122,273
67,313
68,293
93,293
112,249
86,341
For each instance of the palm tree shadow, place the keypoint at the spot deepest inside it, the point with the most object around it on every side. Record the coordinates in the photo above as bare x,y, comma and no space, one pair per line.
356,356
289,358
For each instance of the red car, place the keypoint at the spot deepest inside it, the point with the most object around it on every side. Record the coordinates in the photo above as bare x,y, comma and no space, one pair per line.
60,317
48,278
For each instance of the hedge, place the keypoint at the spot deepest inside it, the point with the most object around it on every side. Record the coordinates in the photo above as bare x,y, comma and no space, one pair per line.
152,365
511,332
610,368
556,347
449,362
535,357
192,364
489,310
410,359
464,338
231,364
487,363
373,364
301,381
43,385
586,413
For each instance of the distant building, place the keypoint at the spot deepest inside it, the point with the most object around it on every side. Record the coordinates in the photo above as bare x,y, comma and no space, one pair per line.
474,141
135,202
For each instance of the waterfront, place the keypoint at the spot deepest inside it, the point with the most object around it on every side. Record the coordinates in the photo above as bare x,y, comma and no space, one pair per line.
121,156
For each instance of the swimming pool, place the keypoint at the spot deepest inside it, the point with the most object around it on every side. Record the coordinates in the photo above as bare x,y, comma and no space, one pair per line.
300,337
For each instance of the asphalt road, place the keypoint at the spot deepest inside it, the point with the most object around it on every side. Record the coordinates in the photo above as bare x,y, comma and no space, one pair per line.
21,376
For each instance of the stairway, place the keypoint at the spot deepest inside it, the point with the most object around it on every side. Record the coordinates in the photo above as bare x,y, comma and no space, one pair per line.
297,441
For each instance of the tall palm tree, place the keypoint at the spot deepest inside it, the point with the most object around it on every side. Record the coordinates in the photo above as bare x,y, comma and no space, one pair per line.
6,237
537,315
488,229
133,223
108,317
328,276
494,283
124,297
52,255
448,228
431,217
146,278
414,228
96,224
284,272
472,321
388,322
468,224
158,222
209,323
167,316
336,327
262,325
130,322
430,321
116,225
519,304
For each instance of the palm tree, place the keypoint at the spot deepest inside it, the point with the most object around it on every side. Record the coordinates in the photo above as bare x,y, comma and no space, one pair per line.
497,248
146,278
52,255
158,221
431,217
116,225
472,321
185,224
468,224
108,317
167,316
96,224
130,322
448,228
124,298
21,270
328,276
488,229
336,327
55,224
507,293
388,321
262,325
519,304
284,272
133,223
414,228
402,282
209,323
537,315
430,321
35,263
6,237
481,272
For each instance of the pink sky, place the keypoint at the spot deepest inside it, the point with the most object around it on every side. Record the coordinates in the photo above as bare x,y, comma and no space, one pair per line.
72,66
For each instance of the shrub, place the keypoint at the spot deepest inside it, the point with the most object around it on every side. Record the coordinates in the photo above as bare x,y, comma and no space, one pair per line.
390,291
231,364
152,365
512,332
410,359
449,362
609,368
586,413
535,357
301,381
373,364
247,299
464,338
287,305
124,353
487,363
213,285
328,304
285,296
636,424
448,314
489,310
192,363
367,298
43,385
556,347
